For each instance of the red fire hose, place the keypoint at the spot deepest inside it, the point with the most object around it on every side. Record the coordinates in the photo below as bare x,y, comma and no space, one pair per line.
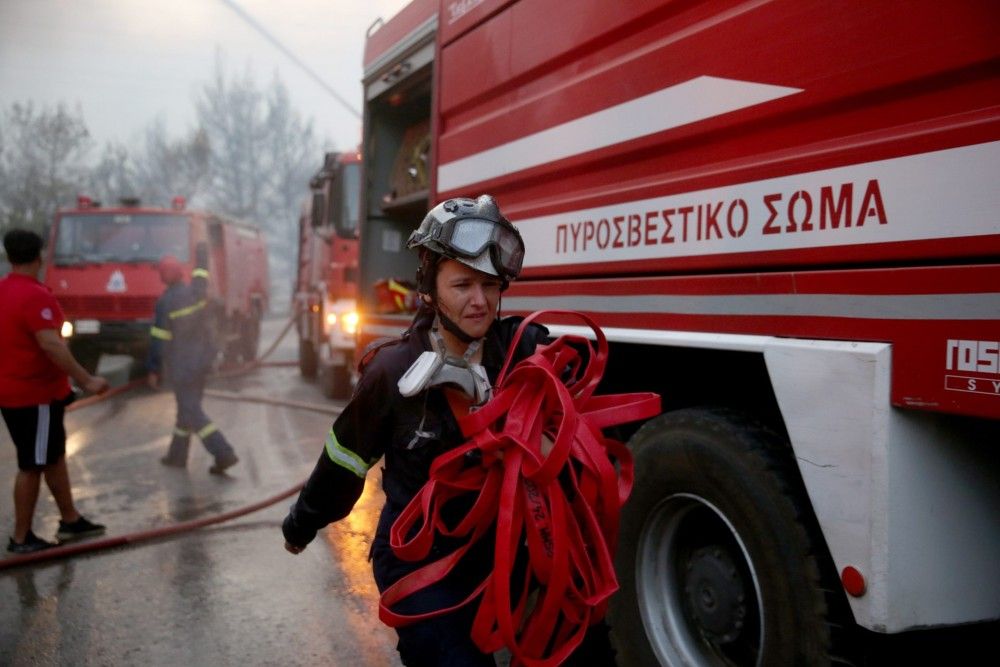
142,536
561,506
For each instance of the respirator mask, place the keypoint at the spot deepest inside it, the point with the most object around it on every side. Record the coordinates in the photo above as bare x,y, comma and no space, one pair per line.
437,368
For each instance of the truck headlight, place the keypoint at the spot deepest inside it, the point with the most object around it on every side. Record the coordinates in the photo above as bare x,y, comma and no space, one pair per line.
349,322
67,329
340,320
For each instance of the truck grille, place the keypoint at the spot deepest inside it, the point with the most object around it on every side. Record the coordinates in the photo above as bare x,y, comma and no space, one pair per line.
108,307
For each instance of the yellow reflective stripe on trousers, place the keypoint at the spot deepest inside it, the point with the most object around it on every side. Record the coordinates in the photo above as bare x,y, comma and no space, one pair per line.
181,432
162,334
344,457
208,430
182,312
199,273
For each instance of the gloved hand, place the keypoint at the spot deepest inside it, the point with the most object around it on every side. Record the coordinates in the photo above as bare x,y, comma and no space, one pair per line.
296,538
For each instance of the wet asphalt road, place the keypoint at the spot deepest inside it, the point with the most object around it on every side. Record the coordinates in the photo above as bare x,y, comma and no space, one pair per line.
224,594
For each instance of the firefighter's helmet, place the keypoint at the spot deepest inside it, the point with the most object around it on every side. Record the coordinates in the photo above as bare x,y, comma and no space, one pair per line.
473,232
170,269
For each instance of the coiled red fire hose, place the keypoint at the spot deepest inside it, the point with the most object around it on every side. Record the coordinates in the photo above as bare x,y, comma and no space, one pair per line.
561,506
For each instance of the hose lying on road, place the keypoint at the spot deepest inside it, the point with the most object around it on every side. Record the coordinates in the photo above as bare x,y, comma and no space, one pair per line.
97,398
244,398
76,548
142,536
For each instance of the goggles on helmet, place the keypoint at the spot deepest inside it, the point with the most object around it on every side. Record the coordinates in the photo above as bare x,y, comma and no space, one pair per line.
470,237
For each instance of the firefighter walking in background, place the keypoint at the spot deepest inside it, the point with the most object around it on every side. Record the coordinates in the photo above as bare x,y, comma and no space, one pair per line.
182,344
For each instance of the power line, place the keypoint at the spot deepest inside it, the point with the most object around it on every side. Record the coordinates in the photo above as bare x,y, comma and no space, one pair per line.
295,59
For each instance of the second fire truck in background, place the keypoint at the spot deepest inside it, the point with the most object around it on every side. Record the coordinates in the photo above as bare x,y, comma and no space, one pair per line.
327,275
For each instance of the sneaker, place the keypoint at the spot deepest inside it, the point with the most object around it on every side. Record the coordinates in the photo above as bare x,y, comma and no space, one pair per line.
78,529
173,463
31,544
222,463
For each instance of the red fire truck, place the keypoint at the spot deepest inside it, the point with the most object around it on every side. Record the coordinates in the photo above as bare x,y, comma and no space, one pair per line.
101,265
327,278
784,215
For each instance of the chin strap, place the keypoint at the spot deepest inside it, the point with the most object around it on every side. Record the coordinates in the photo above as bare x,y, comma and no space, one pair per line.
437,342
549,483
454,329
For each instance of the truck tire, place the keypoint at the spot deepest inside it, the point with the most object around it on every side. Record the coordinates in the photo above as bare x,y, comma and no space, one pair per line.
308,360
717,561
250,336
335,381
87,356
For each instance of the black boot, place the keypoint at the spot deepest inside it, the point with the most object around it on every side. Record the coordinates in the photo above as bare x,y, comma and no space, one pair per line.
220,448
178,452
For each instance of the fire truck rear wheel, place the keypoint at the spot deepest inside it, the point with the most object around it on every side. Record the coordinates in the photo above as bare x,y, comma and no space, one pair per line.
87,356
250,336
335,381
717,561
308,359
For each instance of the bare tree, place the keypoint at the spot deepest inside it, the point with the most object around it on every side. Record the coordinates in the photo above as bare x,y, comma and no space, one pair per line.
250,157
262,154
114,176
294,154
168,169
42,157
162,170
233,113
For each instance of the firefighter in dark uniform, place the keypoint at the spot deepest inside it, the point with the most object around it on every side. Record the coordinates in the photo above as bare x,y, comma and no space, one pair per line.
182,343
468,254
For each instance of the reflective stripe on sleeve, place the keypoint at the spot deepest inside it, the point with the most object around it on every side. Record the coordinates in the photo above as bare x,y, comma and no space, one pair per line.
344,457
183,312
199,273
162,334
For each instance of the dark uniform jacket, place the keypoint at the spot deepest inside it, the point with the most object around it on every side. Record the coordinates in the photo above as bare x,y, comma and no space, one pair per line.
182,330
379,422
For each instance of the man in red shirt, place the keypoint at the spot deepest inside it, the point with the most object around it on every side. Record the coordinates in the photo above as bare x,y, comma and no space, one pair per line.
34,392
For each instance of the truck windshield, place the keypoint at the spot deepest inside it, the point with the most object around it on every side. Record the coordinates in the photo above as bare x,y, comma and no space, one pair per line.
120,237
350,199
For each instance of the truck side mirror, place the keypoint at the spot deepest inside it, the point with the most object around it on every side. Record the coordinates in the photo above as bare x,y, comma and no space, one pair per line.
317,209
345,198
336,203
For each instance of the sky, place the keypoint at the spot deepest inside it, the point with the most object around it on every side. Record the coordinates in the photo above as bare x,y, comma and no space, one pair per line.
128,63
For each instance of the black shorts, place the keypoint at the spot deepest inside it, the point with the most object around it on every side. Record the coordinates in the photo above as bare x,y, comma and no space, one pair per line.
38,433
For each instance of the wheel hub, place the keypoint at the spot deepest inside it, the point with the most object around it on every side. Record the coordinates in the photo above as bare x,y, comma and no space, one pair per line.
715,594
